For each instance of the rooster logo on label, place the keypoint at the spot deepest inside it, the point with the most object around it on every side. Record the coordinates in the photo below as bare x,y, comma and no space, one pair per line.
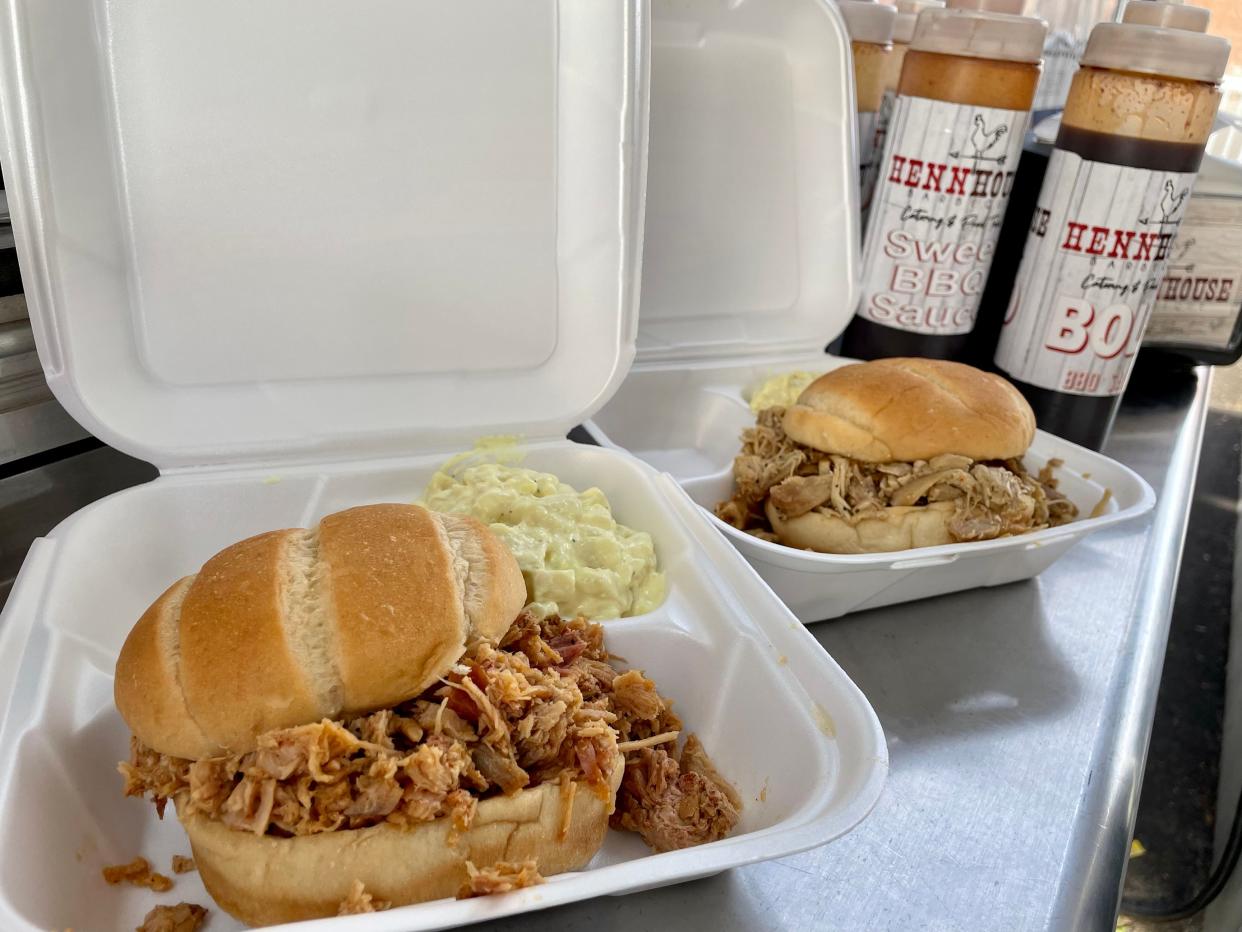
981,141
1170,204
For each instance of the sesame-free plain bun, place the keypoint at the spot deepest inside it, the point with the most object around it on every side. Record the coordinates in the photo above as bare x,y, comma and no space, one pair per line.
362,612
901,527
264,880
902,410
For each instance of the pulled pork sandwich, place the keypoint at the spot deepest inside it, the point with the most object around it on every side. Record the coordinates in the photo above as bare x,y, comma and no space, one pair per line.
355,707
890,455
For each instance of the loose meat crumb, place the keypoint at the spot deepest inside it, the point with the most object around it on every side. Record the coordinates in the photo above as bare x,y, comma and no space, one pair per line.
137,872
671,805
544,705
183,865
502,877
991,499
359,901
184,917
695,760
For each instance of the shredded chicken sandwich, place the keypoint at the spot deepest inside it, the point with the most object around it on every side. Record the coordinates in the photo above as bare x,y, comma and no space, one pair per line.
989,499
544,705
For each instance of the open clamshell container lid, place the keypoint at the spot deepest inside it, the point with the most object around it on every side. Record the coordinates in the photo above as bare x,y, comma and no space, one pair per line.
295,254
752,240
748,272
292,232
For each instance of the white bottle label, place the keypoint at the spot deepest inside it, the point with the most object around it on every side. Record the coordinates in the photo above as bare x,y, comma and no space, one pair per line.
871,145
1099,242
944,181
866,148
1200,296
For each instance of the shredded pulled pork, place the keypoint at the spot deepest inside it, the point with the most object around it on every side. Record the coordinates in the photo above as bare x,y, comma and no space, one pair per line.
359,901
137,872
542,706
670,804
184,917
991,499
501,877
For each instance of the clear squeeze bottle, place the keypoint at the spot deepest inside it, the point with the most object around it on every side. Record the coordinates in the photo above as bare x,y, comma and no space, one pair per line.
1137,118
944,179
870,25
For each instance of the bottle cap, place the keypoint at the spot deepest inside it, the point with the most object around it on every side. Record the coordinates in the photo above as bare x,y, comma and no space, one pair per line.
981,29
907,13
1169,15
1159,38
868,21
1009,7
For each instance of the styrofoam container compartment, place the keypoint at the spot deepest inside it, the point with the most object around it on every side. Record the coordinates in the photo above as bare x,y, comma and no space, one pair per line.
296,255
722,647
734,308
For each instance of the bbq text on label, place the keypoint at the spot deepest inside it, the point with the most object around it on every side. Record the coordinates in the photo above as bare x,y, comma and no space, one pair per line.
946,175
1099,242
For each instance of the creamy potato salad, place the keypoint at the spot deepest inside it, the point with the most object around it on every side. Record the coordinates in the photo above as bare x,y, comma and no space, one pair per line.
576,559
781,390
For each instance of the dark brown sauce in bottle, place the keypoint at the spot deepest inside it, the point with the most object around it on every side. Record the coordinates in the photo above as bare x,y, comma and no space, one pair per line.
1139,111
1151,154
1087,419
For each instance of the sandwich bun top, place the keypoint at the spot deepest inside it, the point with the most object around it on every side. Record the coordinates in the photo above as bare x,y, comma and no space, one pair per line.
362,612
901,410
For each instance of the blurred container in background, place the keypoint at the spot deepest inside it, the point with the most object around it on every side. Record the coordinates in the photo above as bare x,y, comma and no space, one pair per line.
1197,312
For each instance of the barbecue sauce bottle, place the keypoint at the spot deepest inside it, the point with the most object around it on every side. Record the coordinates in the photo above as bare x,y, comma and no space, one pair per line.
903,33
948,164
870,25
1139,113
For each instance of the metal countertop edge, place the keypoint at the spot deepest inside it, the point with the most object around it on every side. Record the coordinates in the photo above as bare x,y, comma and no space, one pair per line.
1112,789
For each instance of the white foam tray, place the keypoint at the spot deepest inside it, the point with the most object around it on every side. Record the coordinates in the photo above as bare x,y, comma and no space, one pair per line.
702,412
778,715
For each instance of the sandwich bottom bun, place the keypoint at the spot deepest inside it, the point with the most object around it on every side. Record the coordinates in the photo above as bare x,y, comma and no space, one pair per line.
265,880
900,527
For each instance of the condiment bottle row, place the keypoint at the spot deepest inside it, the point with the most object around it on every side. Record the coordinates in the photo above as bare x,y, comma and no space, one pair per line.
939,166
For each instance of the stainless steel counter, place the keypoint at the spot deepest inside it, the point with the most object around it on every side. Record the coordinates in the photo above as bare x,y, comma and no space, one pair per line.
1017,721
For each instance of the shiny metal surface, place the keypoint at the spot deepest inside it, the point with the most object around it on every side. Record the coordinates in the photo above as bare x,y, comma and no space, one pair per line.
1017,721
31,420
34,501
15,338
13,307
36,423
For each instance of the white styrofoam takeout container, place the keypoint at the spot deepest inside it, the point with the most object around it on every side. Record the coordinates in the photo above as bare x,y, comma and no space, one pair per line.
749,270
695,441
295,254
